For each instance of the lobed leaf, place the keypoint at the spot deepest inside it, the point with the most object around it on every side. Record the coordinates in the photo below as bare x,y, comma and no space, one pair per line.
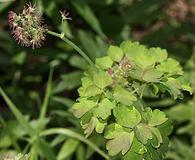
127,117
104,62
104,109
143,132
157,117
82,107
102,79
115,53
122,95
120,143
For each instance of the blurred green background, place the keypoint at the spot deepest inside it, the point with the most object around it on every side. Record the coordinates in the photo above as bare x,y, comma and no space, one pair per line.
96,24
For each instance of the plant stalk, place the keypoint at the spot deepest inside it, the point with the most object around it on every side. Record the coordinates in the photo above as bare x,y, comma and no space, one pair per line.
63,37
47,95
75,135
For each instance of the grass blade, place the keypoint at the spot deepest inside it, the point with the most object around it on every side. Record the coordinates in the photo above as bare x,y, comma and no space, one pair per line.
87,14
47,95
75,135
19,116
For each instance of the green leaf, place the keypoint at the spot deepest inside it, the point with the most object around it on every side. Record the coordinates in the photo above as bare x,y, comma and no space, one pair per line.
136,73
115,53
121,142
157,138
69,81
160,55
132,48
39,124
5,139
86,118
104,109
132,156
126,117
185,85
91,91
89,127
147,114
142,56
100,127
124,96
45,149
86,82
57,140
152,153
182,112
138,147
164,147
104,62
157,117
170,66
79,62
80,153
166,128
102,79
173,87
19,116
94,46
143,133
112,130
67,149
82,107
151,75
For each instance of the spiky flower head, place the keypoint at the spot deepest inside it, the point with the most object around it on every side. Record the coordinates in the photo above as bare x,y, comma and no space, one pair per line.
27,27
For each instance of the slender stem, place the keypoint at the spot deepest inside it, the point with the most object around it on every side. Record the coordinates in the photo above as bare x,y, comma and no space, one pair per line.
55,34
75,135
83,54
47,95
78,50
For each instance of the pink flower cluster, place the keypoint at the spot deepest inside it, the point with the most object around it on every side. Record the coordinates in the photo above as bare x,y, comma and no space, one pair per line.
27,28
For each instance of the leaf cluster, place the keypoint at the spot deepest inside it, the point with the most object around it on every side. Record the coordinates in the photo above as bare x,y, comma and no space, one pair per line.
111,95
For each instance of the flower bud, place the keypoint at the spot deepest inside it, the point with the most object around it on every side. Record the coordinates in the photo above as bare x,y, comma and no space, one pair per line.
65,15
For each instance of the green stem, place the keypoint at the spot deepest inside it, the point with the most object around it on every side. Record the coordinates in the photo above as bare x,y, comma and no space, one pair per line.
75,135
61,36
47,95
